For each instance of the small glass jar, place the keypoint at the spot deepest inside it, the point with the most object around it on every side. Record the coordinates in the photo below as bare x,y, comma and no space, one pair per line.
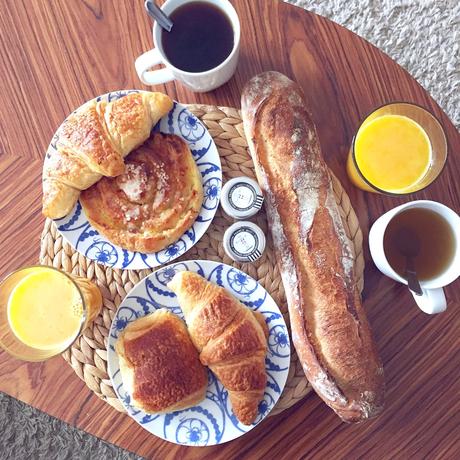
244,241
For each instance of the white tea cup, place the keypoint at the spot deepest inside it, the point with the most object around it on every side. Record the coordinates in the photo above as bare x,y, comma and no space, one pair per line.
196,81
432,299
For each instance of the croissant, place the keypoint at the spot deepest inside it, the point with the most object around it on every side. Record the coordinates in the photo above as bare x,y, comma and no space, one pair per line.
231,340
92,143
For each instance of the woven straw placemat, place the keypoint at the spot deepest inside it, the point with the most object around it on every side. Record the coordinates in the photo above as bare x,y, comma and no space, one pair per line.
88,355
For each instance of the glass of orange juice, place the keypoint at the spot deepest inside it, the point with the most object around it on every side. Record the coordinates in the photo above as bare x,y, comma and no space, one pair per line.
43,310
399,148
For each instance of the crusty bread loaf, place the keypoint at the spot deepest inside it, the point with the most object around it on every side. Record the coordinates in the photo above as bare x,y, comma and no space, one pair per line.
330,330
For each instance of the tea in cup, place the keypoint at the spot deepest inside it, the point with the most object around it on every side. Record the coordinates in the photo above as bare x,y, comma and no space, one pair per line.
433,230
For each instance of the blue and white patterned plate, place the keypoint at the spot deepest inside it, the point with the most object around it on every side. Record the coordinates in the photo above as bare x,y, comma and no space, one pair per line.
212,421
85,239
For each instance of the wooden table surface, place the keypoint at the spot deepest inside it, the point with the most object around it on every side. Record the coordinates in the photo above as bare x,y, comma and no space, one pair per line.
56,54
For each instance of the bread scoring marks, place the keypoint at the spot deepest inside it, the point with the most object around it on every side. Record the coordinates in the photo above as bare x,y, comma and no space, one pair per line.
309,173
307,176
308,202
324,387
288,272
347,258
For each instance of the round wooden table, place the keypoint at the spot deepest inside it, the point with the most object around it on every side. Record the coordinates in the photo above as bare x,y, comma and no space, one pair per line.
58,54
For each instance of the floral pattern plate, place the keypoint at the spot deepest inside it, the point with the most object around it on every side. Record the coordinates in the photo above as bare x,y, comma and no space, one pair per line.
85,239
212,421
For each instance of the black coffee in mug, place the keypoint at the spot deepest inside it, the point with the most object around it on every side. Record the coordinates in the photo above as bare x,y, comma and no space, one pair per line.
201,37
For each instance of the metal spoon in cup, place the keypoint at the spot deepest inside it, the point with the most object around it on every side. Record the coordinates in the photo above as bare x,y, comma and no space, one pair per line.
158,15
408,245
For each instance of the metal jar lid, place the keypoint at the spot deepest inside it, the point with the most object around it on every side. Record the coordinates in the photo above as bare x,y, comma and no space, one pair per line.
241,197
244,241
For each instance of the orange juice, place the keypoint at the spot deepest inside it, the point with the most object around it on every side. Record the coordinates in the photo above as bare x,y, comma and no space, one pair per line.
45,310
393,152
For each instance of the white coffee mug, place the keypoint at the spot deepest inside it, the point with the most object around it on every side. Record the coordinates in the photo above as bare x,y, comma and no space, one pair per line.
197,81
433,299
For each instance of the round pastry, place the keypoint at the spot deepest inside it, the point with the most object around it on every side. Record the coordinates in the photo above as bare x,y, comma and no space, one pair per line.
154,202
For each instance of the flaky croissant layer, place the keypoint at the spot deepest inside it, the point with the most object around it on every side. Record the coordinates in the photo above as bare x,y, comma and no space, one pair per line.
92,143
231,340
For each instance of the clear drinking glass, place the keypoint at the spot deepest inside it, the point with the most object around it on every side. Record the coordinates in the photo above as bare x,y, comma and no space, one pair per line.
435,134
87,295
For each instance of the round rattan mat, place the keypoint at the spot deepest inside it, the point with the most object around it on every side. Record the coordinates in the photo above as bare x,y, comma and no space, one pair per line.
88,355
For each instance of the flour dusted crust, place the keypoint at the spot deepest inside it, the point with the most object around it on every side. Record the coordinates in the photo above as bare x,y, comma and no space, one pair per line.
330,330
154,202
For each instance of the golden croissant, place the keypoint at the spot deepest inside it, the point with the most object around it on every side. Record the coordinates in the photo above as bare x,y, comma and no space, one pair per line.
231,339
92,143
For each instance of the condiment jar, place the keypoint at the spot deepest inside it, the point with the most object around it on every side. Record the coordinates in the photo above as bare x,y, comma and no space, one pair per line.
241,197
244,241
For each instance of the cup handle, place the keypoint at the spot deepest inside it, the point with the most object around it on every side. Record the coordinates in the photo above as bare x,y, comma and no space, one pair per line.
152,77
431,301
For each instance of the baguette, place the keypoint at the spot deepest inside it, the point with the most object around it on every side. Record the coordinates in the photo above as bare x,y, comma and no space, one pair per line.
329,327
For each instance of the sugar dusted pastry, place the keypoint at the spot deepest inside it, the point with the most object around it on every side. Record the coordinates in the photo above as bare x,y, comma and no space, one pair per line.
154,202
159,365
